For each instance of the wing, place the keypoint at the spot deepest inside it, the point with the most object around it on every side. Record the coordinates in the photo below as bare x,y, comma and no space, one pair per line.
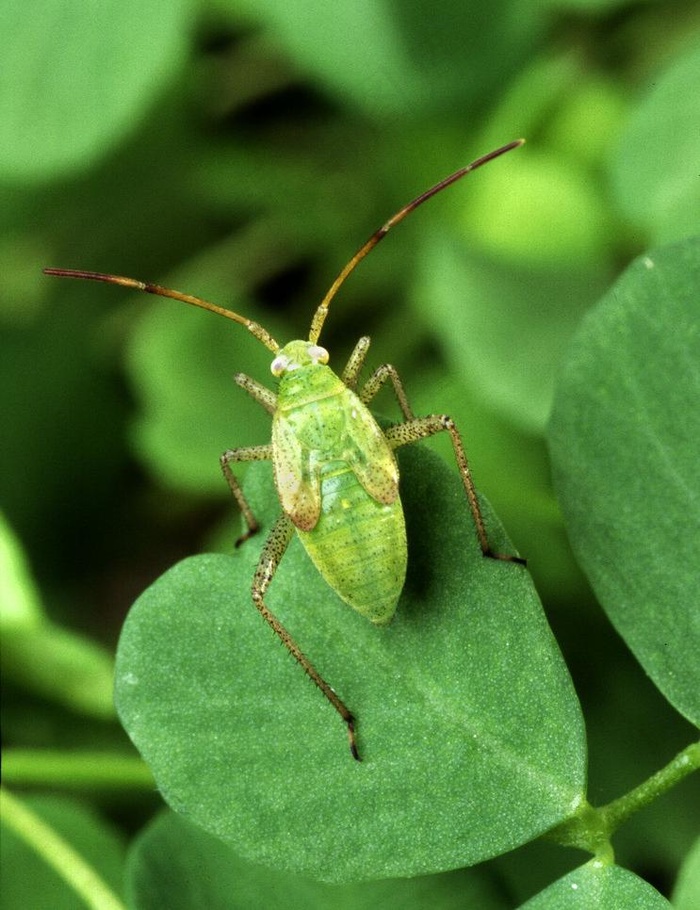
369,454
297,476
349,433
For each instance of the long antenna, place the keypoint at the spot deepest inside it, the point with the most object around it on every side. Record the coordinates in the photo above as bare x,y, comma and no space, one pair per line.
253,327
322,311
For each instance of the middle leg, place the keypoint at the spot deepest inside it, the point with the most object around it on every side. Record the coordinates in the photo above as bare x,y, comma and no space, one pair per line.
420,428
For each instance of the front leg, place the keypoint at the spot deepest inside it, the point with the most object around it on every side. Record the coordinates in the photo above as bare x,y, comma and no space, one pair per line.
377,380
251,453
355,363
258,391
351,373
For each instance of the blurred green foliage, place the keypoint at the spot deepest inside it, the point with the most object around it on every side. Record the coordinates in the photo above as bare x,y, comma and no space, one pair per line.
242,151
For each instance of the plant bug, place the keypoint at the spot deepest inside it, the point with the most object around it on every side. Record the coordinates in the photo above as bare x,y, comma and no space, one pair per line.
334,467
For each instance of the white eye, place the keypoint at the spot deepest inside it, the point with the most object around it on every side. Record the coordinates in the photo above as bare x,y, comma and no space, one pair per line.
318,354
279,365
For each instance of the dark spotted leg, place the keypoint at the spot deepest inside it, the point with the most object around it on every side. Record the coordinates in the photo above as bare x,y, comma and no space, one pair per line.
420,428
268,400
414,429
253,453
270,558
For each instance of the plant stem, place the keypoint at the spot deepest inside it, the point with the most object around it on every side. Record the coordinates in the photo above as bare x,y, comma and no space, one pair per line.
619,810
58,854
590,829
75,770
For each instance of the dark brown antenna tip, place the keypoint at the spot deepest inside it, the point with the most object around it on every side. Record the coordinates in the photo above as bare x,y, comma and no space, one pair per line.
322,311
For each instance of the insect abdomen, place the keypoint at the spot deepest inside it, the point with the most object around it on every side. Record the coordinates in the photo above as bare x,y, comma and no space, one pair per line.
358,544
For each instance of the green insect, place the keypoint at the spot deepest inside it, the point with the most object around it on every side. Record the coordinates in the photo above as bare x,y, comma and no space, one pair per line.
335,471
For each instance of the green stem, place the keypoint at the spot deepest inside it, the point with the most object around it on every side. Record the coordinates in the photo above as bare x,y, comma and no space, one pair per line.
590,829
75,770
58,854
619,810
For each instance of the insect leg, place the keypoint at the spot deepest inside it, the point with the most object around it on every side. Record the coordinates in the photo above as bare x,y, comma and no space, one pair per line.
273,551
422,427
377,380
258,391
251,453
386,371
355,363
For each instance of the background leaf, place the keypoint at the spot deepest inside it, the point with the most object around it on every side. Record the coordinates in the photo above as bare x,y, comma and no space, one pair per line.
659,150
499,324
175,864
27,881
464,698
624,442
103,74
57,663
400,59
686,894
20,603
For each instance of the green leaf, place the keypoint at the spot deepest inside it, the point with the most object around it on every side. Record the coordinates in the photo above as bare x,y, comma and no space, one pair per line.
86,846
686,894
596,886
176,865
655,172
624,442
470,731
74,83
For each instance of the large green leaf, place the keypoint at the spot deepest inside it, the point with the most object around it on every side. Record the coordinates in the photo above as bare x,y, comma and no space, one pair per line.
624,441
470,731
596,886
176,865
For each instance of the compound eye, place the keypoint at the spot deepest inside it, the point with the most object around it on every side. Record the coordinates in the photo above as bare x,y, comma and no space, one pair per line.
318,354
279,365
